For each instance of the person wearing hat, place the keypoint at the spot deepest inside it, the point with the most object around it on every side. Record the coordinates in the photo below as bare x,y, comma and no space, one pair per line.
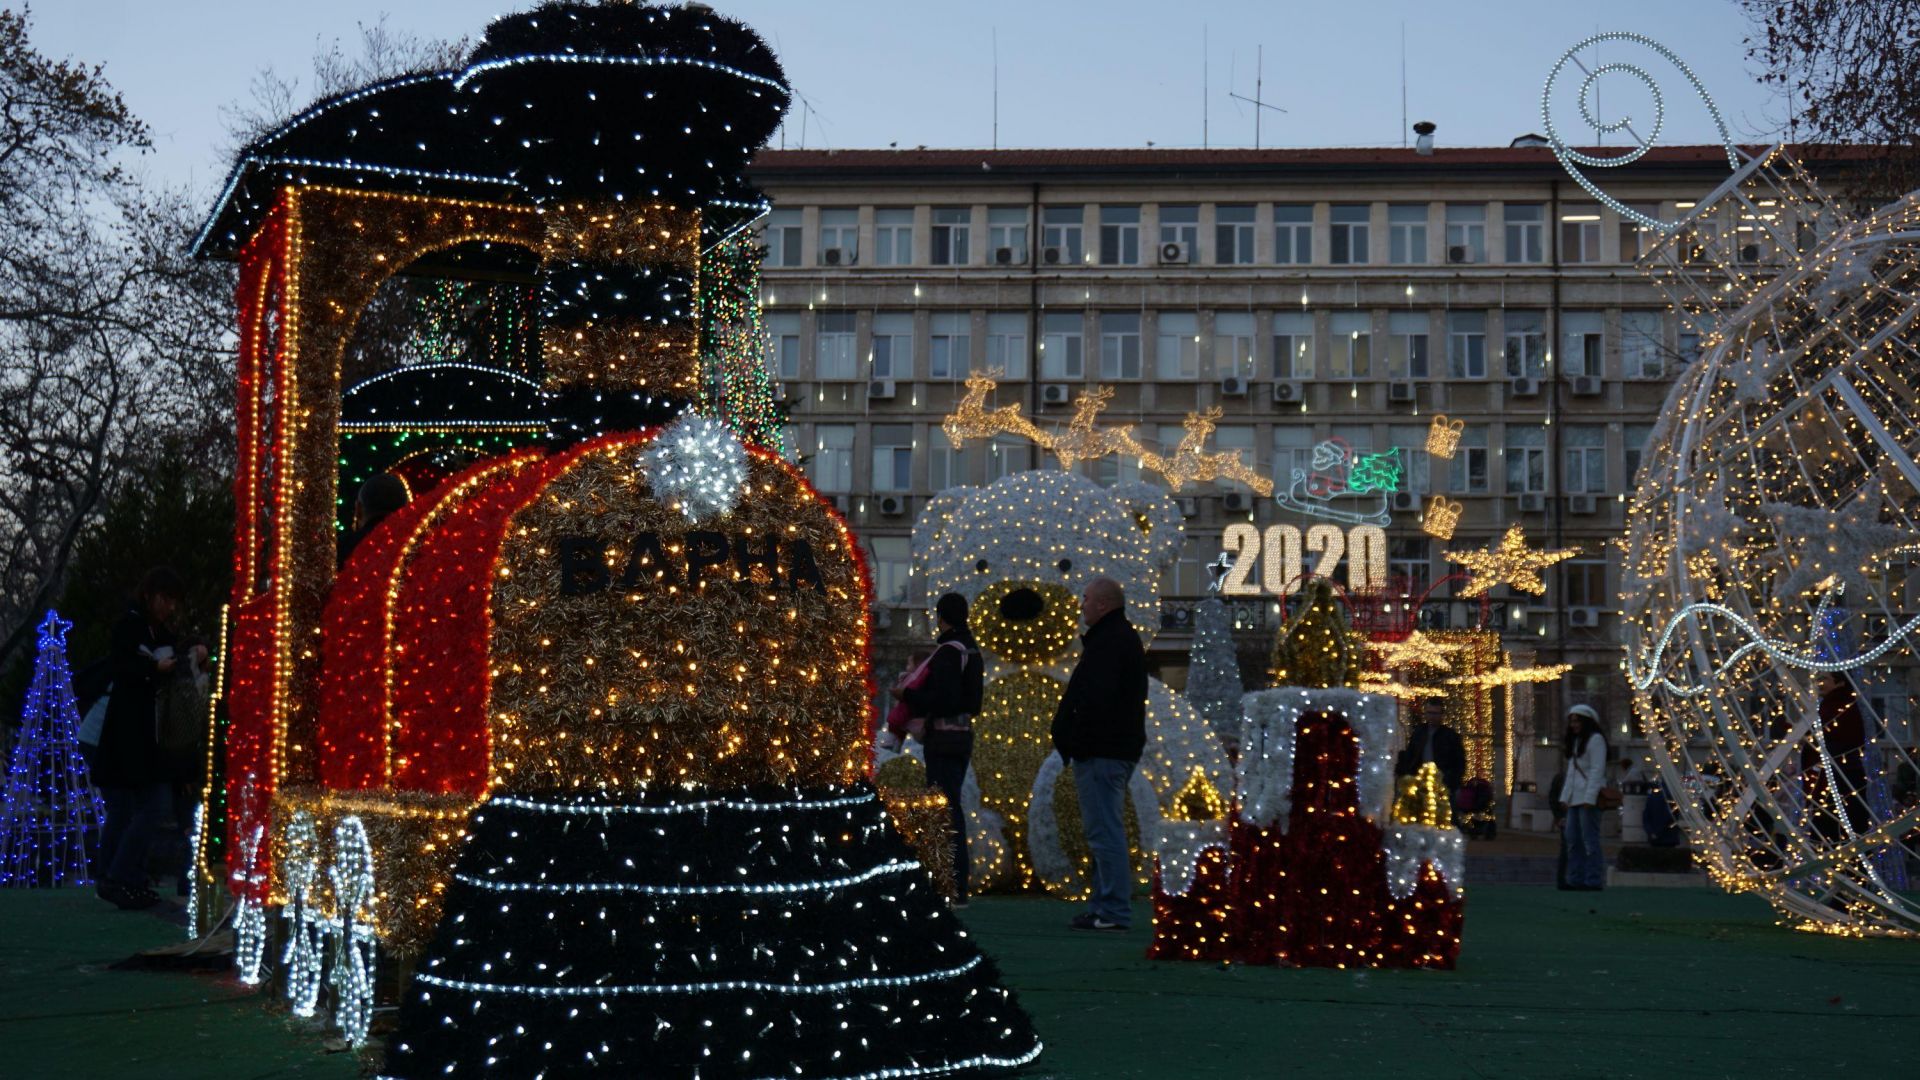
1586,774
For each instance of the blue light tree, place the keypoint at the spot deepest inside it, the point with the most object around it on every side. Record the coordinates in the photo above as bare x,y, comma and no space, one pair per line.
48,806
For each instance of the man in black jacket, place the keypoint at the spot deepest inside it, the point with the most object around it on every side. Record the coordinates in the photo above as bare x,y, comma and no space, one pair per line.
1101,729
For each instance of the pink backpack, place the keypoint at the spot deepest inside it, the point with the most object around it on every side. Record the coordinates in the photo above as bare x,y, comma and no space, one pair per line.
900,718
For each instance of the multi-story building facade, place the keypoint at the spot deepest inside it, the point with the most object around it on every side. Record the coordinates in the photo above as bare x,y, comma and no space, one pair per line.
1312,295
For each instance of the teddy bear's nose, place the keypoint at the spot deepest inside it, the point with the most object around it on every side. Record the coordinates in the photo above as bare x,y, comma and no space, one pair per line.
1022,605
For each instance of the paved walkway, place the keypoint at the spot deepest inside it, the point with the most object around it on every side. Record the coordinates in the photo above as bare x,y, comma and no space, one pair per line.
1627,983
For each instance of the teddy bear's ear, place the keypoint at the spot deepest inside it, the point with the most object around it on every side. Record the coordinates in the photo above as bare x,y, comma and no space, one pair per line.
936,517
1157,517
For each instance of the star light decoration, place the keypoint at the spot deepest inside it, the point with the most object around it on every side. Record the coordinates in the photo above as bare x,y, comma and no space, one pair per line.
698,465
1084,441
1510,562
1417,650
1831,546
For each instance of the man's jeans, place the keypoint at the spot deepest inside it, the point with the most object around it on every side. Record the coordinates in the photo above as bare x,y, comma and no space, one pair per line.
134,815
1102,785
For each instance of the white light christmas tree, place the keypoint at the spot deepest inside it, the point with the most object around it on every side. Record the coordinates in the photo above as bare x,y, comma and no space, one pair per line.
48,806
1213,679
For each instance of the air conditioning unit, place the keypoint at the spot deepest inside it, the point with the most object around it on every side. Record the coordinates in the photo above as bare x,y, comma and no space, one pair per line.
1524,386
1587,386
1459,253
836,256
1233,386
1401,390
1533,502
1175,253
1176,618
1005,256
1054,255
1407,501
1750,253
1055,394
1189,507
1236,502
1288,391
1588,617
881,390
1582,504
893,505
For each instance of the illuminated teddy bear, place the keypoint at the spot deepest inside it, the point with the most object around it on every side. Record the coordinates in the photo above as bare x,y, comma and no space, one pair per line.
1021,550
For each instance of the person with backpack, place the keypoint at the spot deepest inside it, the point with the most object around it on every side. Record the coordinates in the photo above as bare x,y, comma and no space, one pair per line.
944,702
1586,751
128,766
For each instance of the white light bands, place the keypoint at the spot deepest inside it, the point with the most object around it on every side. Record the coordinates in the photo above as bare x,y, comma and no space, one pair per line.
697,465
697,806
1570,157
728,889
1409,847
795,989
614,61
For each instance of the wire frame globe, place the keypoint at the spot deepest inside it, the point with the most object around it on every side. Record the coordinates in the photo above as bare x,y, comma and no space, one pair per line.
1773,543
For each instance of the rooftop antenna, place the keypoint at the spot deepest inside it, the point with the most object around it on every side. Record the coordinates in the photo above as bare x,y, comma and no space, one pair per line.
1206,85
1403,84
1259,75
996,88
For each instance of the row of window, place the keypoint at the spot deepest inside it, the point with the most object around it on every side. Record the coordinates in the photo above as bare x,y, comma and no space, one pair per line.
1409,234
1170,344
1518,454
1580,582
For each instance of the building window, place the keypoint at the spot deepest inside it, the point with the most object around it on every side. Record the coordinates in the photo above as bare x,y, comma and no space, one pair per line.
1586,583
1347,235
1636,239
892,568
946,462
833,356
949,344
1526,345
1060,228
1467,344
1585,448
892,457
1293,345
1007,343
1119,235
1181,225
1292,454
1410,564
1061,346
1580,234
1119,344
1412,443
1642,353
1176,352
1292,235
1233,235
1582,333
1007,234
783,344
1350,345
833,457
1526,454
892,350
952,225
1466,233
1407,234
1407,344
1007,455
1233,343
1234,438
1467,472
1633,445
1526,232
840,229
1689,348
783,238
1114,470
893,237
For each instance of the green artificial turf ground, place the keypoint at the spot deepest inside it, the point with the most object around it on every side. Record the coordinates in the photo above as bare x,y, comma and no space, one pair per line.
1630,982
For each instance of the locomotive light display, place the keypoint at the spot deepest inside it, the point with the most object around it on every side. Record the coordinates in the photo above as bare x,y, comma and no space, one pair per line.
582,730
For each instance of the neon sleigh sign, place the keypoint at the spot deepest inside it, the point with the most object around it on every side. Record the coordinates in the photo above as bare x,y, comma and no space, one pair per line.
1345,485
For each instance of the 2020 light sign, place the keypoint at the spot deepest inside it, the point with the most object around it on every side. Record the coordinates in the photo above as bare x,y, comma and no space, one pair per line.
1281,557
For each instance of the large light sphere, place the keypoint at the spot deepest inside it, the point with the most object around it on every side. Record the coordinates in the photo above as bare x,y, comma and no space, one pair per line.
1772,540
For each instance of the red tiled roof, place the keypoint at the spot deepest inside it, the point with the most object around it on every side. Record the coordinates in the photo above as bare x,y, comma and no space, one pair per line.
936,161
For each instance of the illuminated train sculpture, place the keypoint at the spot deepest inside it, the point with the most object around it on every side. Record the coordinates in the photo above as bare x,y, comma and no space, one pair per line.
583,730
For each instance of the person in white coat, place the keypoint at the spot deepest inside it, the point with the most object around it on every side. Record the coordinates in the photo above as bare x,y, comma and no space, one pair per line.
1586,773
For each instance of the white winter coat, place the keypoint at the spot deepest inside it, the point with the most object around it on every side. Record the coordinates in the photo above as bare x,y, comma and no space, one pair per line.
1586,773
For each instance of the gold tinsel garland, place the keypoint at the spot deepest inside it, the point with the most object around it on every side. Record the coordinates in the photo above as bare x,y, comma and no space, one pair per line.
924,823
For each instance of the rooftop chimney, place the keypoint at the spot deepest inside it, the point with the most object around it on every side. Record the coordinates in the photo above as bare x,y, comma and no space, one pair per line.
1423,144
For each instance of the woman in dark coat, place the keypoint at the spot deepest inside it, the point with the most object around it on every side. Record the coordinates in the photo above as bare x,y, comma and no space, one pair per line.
948,700
128,768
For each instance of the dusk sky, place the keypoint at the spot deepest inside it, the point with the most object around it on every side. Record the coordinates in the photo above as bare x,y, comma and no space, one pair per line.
1076,74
